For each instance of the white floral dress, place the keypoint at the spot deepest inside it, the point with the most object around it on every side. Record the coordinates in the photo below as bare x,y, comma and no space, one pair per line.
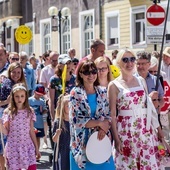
140,151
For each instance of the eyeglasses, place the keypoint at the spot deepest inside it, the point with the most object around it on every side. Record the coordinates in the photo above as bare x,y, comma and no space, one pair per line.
22,58
141,64
15,59
129,59
103,69
155,100
54,60
87,73
152,72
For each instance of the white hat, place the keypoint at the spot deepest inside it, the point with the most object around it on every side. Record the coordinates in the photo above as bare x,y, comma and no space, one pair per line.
63,59
154,61
167,51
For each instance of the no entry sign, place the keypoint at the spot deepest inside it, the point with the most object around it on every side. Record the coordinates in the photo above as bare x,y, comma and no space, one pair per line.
155,15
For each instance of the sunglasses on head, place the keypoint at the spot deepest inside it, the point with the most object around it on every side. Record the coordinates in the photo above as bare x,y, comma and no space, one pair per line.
15,59
129,59
87,73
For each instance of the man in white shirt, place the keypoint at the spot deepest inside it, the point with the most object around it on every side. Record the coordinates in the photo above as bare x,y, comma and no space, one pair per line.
166,63
48,71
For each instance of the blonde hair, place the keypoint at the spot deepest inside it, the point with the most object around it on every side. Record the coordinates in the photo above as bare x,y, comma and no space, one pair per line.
12,108
105,60
62,99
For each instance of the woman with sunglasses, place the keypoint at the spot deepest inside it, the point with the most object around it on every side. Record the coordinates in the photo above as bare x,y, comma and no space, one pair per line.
136,142
104,72
89,112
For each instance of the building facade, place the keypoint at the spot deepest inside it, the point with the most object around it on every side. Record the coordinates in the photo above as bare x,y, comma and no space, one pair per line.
119,23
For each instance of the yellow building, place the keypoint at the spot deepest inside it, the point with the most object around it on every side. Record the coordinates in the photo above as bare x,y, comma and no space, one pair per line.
125,25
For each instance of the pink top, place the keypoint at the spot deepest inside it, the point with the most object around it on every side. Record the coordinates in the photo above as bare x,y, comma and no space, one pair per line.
19,149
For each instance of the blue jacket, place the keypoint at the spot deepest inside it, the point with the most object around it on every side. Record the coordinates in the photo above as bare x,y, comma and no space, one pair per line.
29,77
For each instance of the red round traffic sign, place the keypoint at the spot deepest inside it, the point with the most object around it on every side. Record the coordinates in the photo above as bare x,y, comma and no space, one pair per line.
155,15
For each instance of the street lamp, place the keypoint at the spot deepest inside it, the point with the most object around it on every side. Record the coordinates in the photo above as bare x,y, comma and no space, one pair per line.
62,14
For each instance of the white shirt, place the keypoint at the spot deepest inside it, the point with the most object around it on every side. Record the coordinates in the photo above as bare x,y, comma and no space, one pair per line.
166,69
46,73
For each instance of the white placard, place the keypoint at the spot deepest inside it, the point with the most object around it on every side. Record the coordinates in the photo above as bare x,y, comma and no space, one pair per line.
154,31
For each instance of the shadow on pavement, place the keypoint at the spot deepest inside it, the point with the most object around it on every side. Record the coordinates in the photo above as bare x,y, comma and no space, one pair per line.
44,162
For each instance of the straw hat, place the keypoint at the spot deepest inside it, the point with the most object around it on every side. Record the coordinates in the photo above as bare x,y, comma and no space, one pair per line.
167,51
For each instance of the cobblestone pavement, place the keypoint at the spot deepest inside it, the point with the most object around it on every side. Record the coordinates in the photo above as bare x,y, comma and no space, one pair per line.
44,163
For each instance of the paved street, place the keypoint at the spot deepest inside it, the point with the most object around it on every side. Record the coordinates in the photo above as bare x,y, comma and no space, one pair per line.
44,163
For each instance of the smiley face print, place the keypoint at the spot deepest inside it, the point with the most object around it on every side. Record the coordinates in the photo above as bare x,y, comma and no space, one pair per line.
23,34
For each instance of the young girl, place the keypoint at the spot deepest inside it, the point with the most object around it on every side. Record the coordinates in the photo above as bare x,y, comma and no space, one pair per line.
63,134
18,118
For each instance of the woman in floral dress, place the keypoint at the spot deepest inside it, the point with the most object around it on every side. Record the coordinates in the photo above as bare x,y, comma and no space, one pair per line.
134,131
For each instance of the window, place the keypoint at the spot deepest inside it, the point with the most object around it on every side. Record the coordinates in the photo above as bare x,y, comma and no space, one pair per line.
138,26
112,29
46,34
29,47
45,31
87,31
65,35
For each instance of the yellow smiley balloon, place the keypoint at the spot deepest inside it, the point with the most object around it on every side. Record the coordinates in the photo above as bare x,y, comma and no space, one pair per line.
115,71
23,34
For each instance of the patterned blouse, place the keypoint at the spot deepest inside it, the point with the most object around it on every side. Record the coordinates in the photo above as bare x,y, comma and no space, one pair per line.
56,83
5,89
80,114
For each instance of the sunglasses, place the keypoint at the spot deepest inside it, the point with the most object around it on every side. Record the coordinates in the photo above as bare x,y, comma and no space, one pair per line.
75,63
15,59
129,59
152,72
155,100
103,69
87,73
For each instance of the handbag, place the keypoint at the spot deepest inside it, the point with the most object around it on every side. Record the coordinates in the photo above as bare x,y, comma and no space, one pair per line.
98,151
164,118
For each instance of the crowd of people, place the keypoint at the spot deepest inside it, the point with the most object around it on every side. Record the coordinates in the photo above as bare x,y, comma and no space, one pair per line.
125,109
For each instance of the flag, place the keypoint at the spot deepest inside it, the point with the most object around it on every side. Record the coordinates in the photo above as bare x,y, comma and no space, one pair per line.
64,78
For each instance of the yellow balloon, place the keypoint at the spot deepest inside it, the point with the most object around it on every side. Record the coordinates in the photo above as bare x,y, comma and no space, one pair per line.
23,34
115,71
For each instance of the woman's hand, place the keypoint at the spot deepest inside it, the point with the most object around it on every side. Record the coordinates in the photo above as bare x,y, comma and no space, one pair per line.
118,146
101,134
58,132
57,135
105,125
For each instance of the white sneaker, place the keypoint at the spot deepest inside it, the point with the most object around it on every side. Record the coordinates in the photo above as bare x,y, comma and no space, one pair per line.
45,146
